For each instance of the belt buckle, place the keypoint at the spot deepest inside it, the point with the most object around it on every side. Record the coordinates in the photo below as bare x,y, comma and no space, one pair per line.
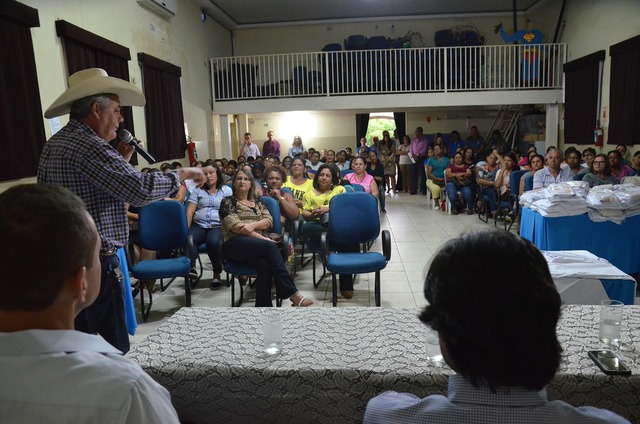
108,252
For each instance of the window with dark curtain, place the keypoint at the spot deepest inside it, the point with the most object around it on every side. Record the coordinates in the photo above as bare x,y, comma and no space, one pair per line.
583,78
362,124
401,124
23,134
163,111
624,100
83,49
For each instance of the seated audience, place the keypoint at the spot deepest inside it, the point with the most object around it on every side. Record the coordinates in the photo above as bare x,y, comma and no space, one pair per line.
342,161
618,170
361,177
455,143
246,222
623,153
459,177
50,373
537,163
315,212
599,172
203,218
376,169
508,164
587,156
435,167
635,164
286,164
552,174
497,332
362,149
289,213
298,182
314,161
485,179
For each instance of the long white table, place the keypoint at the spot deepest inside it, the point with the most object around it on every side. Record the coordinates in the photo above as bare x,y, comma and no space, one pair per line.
335,359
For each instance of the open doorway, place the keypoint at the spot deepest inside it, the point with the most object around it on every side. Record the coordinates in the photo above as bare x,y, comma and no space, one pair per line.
379,122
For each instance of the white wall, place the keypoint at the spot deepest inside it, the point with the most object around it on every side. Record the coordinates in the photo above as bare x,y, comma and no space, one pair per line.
183,41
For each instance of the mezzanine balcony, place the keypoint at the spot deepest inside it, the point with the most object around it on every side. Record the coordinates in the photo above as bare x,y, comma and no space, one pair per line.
408,77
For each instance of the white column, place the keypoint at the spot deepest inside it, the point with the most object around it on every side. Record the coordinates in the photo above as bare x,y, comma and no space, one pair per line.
553,120
225,136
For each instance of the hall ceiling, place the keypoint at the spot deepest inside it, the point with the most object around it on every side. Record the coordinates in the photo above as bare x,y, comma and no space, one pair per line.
255,13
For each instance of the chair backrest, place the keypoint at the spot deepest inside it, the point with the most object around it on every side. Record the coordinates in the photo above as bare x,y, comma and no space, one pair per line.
528,183
514,180
358,187
356,42
353,218
162,225
345,172
333,47
274,210
378,42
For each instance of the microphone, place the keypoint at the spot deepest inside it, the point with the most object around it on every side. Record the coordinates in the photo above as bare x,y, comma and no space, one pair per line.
126,136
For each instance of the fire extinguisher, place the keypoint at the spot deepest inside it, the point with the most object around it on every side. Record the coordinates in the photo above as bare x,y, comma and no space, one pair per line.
598,135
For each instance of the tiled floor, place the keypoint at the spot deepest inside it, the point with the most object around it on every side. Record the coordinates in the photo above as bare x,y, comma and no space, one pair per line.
416,233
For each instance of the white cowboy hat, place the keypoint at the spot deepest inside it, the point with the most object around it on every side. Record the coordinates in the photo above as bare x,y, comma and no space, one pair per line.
92,81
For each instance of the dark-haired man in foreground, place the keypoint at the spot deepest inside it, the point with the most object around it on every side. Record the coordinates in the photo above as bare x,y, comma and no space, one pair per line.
50,373
497,332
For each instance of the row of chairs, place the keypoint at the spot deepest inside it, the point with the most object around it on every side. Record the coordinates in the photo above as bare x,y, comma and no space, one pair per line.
163,227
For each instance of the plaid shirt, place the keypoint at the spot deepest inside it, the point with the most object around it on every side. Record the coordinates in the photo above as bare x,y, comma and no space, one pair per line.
78,159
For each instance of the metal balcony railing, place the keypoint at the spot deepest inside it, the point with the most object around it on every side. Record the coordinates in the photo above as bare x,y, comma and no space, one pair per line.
392,71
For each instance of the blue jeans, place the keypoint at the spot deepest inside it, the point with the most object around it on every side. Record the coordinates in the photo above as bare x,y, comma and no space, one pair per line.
381,195
266,257
106,315
419,177
212,237
489,192
466,192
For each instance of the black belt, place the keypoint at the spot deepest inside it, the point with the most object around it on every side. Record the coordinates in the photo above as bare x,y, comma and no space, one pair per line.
108,252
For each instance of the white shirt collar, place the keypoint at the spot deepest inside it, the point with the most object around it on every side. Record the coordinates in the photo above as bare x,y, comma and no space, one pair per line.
48,341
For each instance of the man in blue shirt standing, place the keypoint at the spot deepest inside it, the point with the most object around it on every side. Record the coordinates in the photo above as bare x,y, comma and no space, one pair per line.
497,331
476,142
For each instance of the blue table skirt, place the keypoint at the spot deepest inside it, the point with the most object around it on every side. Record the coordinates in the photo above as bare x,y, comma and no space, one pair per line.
619,244
622,290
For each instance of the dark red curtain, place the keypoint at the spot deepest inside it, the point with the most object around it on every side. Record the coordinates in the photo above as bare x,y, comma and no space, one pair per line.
582,87
83,49
163,112
624,125
22,136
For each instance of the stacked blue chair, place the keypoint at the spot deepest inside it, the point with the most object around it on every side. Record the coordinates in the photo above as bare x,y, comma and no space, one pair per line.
356,62
332,64
354,219
162,226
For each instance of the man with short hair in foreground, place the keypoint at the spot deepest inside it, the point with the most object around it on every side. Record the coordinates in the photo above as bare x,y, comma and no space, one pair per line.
497,331
49,271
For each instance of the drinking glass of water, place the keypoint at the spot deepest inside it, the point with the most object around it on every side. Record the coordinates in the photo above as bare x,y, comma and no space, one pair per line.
610,322
434,355
272,332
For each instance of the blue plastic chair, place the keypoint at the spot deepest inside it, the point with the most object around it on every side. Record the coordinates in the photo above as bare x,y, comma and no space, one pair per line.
345,172
235,269
354,219
359,188
162,226
514,181
528,183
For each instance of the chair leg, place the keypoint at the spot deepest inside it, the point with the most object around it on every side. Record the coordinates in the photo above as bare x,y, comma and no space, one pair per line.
377,288
187,290
334,289
233,291
145,311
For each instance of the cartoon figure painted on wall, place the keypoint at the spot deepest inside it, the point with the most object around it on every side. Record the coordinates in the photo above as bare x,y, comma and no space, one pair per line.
531,54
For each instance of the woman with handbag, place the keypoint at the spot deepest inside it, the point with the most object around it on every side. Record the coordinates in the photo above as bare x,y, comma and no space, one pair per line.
458,176
246,222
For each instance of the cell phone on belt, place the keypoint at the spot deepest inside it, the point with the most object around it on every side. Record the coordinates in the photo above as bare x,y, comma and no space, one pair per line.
609,363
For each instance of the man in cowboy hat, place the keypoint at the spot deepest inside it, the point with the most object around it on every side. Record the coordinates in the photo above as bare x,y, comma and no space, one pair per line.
80,158
50,373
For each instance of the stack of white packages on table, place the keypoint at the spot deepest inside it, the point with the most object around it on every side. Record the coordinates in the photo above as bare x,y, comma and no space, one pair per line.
563,199
613,202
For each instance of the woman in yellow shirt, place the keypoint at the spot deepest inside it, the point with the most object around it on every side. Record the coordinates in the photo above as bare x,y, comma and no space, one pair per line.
298,182
315,211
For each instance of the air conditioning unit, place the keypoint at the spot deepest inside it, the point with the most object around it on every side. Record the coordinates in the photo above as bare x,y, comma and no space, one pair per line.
166,8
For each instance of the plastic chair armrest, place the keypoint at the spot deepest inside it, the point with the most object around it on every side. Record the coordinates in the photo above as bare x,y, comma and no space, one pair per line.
386,244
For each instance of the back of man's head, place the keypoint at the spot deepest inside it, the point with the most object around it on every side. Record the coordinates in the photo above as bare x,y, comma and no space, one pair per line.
493,302
45,236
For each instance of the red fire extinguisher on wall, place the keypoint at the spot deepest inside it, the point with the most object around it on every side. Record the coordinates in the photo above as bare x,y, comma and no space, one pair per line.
598,135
